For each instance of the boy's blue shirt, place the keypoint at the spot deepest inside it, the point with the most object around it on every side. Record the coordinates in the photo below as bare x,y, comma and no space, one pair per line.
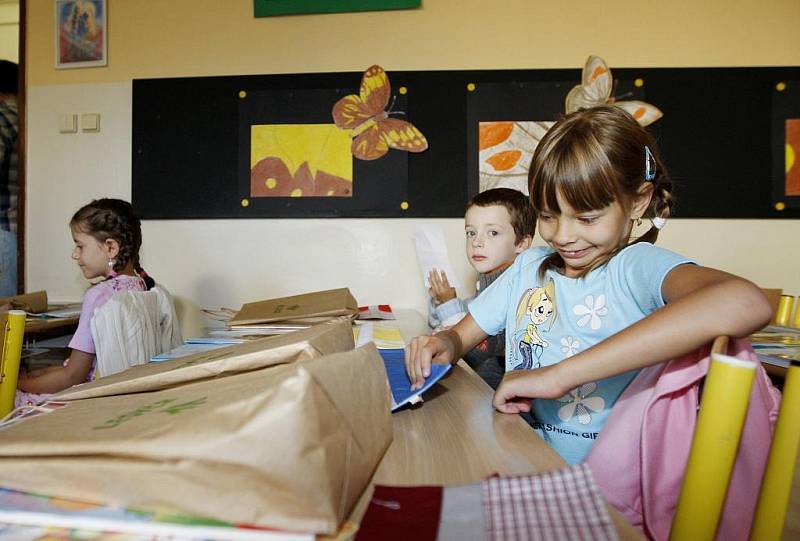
585,311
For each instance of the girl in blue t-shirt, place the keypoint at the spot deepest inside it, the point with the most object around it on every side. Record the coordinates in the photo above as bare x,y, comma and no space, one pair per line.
585,313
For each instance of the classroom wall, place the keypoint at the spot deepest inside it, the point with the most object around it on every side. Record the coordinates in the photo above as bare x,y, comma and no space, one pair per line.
9,30
213,263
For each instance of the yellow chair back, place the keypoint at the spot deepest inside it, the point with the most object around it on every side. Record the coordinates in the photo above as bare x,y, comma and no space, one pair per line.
13,329
776,487
714,445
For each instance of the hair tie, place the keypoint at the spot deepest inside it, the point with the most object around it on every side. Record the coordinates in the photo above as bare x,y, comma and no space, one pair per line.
659,222
649,171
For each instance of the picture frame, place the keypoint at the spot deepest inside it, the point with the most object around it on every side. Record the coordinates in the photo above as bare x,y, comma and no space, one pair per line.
81,37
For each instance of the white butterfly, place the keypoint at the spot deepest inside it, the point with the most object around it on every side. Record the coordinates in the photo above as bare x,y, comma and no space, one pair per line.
595,89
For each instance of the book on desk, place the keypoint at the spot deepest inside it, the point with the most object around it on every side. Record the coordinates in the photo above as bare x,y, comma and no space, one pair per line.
22,512
776,345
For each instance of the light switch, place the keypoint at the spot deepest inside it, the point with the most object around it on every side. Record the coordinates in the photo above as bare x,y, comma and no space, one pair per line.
90,122
67,123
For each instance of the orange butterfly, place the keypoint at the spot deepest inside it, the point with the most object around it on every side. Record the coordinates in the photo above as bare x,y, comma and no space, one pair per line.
372,130
595,89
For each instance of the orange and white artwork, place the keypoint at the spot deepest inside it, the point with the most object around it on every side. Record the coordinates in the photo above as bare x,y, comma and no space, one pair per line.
505,150
792,152
365,118
300,160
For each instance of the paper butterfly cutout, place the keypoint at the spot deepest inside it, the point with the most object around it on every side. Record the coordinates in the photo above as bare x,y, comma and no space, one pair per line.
373,131
595,89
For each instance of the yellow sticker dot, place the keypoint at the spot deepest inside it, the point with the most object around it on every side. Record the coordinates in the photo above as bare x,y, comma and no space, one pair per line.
403,90
242,94
471,87
404,205
245,202
297,192
271,183
780,87
638,83
790,157
780,205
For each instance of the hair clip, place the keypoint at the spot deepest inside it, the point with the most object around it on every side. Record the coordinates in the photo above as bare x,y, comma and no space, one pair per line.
649,171
659,222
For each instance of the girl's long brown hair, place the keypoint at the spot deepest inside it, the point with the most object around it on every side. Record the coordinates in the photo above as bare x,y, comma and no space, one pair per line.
592,158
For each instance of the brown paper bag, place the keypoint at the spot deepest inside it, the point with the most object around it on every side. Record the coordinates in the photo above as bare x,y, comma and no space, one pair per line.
308,307
35,302
291,447
316,341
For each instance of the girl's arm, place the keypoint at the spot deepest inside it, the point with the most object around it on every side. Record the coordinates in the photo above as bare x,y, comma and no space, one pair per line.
443,347
60,377
702,303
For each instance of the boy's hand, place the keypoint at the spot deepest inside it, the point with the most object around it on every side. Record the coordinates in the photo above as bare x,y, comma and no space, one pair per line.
518,389
421,352
440,290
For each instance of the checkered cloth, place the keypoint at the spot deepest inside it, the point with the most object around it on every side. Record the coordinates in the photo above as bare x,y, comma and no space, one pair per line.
557,505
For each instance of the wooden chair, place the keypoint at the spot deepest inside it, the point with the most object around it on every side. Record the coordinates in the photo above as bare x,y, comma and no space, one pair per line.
13,328
715,444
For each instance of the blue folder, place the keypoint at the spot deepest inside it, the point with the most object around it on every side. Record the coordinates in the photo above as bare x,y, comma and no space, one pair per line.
394,362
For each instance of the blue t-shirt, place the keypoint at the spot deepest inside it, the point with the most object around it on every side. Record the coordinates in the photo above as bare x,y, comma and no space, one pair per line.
551,319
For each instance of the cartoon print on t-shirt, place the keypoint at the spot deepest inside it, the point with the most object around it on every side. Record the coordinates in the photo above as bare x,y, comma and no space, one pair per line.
537,305
579,404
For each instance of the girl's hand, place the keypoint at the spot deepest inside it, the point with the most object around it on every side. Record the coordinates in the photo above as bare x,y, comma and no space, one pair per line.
421,352
518,389
440,291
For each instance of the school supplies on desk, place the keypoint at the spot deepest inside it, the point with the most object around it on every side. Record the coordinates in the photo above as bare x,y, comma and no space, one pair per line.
776,345
29,510
34,303
384,337
250,355
400,385
306,309
375,311
66,311
189,348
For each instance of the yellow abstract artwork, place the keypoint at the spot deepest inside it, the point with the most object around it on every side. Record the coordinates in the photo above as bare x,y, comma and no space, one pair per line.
300,160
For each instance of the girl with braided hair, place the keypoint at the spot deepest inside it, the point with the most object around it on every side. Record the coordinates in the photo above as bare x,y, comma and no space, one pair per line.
107,235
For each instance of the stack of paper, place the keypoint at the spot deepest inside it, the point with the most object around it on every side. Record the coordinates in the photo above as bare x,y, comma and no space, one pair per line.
25,516
384,336
777,345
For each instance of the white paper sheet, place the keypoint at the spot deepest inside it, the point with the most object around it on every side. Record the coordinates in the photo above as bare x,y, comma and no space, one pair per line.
432,253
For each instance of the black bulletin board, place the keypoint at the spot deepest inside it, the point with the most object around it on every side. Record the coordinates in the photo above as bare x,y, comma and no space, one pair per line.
720,137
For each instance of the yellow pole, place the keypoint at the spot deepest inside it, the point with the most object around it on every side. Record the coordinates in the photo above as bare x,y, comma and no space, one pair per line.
726,394
776,487
9,365
784,311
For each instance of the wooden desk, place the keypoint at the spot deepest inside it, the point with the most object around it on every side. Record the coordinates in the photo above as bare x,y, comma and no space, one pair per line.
61,324
455,437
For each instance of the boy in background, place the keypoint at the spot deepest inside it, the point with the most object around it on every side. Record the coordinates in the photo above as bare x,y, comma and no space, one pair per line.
499,224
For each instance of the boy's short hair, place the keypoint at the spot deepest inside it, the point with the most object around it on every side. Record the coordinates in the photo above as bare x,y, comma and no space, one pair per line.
523,217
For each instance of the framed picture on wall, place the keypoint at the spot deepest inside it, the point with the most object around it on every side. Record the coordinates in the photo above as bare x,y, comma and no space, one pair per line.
81,38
